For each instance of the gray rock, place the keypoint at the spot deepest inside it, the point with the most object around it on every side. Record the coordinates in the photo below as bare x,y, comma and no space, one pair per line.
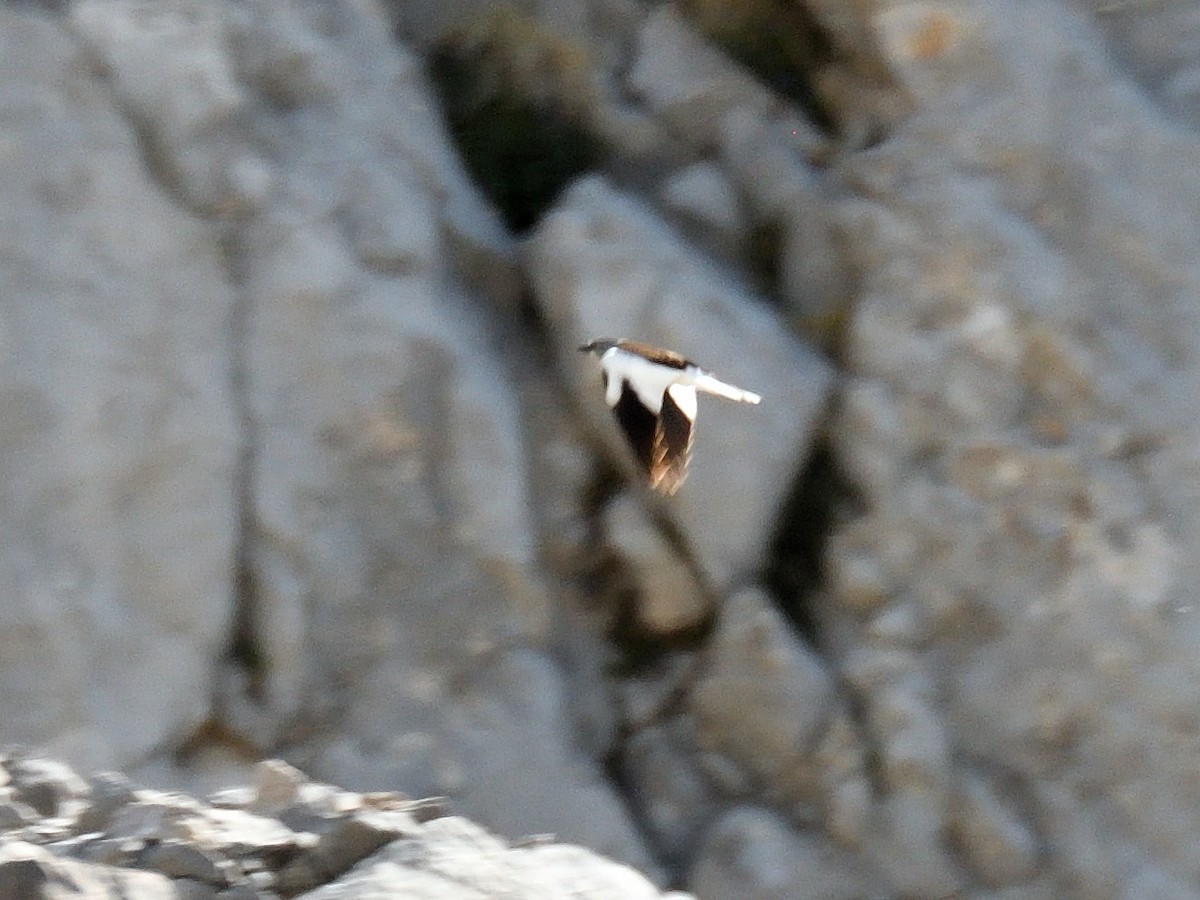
150,814
754,854
763,700
118,453
674,798
236,832
903,841
398,428
434,864
29,871
689,83
349,840
278,786
1156,47
250,296
171,71
44,784
787,198
244,892
1001,847
1018,420
176,859
1155,883
373,842
702,195
505,752
112,851
14,813
670,599
108,792
518,758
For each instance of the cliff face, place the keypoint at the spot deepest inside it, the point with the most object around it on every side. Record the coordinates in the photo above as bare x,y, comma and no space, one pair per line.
297,457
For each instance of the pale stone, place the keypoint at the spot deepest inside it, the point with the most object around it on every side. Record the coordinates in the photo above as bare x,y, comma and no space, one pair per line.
670,599
118,451
753,853
703,194
763,699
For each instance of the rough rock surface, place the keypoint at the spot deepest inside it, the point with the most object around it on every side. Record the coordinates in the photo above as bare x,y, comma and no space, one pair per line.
1016,603
299,460
118,448
282,836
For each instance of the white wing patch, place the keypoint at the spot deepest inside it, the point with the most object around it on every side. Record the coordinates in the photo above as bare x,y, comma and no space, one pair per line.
648,380
685,398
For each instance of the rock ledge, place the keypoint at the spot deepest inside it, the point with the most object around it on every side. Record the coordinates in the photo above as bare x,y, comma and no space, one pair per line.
63,835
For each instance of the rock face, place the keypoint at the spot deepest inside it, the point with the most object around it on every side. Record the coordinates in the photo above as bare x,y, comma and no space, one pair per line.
283,836
1026,412
118,447
299,459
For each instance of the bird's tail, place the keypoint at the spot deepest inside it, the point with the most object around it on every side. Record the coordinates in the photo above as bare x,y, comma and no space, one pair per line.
712,385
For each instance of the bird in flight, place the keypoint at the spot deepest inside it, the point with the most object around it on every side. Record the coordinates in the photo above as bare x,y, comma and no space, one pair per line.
652,392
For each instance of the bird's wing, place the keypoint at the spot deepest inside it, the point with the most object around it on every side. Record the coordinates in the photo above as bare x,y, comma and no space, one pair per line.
638,423
673,439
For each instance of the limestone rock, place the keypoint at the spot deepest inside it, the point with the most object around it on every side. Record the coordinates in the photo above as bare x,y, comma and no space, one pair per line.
118,451
499,739
275,418
688,82
763,699
30,871
172,74
431,865
789,201
1001,847
670,600
673,794
397,426
183,848
752,853
702,195
1019,420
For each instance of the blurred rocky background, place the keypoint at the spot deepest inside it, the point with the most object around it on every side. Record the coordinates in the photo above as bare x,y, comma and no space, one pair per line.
297,458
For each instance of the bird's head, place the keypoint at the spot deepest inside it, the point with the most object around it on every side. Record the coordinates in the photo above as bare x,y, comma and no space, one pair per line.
600,346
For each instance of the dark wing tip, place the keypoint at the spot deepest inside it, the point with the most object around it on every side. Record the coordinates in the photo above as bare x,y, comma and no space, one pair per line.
672,448
638,424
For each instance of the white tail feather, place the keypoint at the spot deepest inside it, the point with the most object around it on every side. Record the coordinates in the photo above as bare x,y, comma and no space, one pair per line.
711,385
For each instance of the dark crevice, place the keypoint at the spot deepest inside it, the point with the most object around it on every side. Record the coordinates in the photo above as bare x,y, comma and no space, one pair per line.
795,573
765,243
244,648
780,41
624,787
521,150
822,499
